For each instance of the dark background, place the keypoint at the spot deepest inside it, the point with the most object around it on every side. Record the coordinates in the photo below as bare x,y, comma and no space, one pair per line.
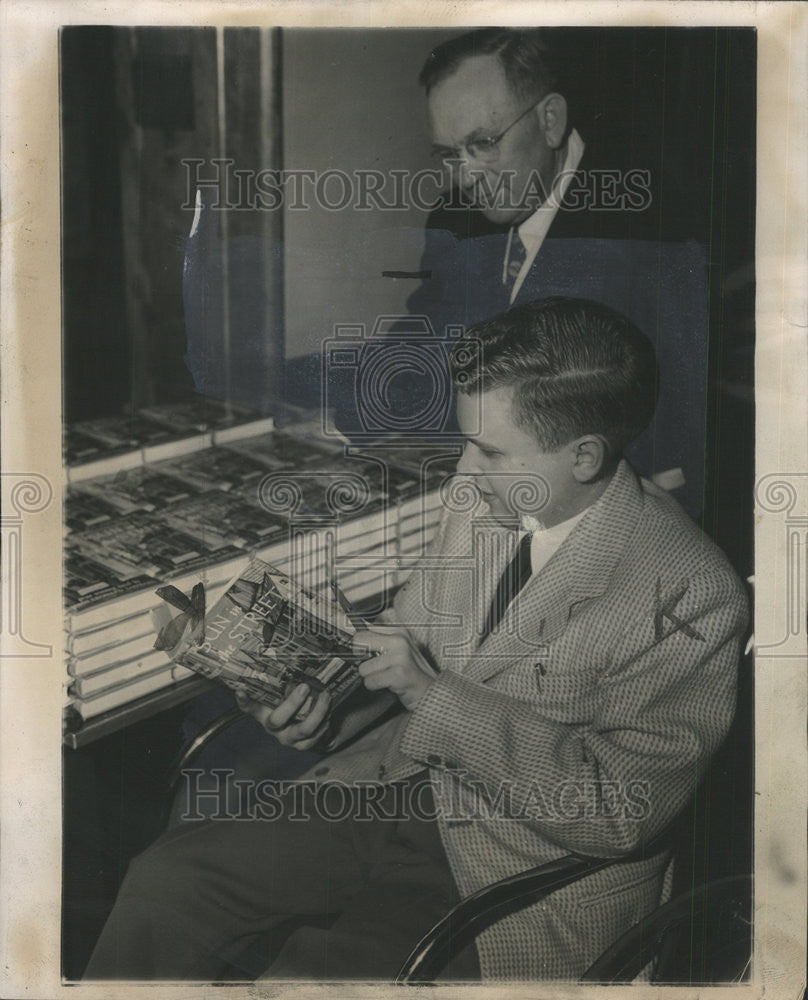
135,101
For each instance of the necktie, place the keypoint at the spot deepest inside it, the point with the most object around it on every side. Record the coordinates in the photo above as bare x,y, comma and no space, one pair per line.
514,577
514,260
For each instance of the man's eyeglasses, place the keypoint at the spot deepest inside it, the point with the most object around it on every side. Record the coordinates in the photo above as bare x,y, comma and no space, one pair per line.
483,148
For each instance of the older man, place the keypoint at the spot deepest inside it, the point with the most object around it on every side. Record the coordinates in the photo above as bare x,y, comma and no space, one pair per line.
538,209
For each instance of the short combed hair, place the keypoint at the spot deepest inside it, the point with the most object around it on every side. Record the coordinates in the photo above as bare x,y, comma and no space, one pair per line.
526,56
577,367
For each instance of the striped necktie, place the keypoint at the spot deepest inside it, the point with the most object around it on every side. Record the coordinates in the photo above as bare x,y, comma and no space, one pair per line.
515,258
514,577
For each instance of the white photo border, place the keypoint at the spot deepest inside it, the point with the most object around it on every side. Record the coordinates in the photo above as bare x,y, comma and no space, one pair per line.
31,683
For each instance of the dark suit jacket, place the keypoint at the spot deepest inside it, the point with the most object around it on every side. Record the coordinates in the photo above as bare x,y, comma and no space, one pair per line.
654,273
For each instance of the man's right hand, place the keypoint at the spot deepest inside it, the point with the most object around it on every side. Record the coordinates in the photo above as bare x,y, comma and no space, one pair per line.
283,721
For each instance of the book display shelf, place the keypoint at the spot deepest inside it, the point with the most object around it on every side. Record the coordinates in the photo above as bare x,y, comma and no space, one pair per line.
186,494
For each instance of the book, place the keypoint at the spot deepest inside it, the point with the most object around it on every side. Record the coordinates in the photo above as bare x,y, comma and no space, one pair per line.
216,469
111,654
88,622
143,544
142,488
125,432
84,509
239,432
201,413
99,597
107,465
90,685
265,635
101,631
123,693
105,445
138,430
176,447
230,517
79,447
413,454
88,581
313,483
280,451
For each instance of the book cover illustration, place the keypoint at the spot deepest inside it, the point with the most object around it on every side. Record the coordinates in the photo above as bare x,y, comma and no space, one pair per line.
200,413
144,488
280,451
216,469
265,635
124,432
89,582
430,459
326,483
144,544
84,509
78,447
233,518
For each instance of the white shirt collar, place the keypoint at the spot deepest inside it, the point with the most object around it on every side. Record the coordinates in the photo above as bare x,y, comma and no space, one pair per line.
533,230
545,542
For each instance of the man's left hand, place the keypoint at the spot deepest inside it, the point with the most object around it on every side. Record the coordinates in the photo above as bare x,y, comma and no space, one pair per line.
395,663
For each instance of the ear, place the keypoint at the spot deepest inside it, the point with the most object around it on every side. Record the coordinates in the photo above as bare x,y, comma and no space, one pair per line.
552,112
590,458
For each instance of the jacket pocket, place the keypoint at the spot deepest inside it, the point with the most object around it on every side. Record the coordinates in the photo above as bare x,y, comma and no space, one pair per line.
620,906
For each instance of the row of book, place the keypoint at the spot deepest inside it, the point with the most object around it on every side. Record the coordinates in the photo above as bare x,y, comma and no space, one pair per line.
322,512
105,445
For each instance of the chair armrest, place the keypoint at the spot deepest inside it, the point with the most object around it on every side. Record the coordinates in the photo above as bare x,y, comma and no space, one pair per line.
717,922
476,912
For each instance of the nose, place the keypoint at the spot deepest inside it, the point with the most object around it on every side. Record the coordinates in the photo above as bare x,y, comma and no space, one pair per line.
467,465
469,172
462,462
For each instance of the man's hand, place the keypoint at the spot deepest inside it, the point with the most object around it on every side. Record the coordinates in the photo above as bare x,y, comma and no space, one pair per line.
396,663
284,723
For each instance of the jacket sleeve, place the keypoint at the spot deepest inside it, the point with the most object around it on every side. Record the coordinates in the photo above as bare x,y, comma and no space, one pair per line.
661,708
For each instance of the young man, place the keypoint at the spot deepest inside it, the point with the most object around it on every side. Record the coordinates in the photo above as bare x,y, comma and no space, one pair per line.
565,657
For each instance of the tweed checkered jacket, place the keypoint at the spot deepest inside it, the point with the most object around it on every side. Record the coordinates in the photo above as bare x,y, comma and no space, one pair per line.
581,725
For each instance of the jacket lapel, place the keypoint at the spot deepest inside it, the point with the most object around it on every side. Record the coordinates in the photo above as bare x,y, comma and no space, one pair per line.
580,570
471,566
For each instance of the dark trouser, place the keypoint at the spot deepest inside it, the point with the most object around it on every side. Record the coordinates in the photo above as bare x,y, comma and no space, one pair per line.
193,902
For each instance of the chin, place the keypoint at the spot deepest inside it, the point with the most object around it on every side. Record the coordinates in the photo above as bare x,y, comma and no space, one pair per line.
504,216
501,514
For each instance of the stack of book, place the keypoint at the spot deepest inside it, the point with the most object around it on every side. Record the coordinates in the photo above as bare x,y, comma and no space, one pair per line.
195,508
106,445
